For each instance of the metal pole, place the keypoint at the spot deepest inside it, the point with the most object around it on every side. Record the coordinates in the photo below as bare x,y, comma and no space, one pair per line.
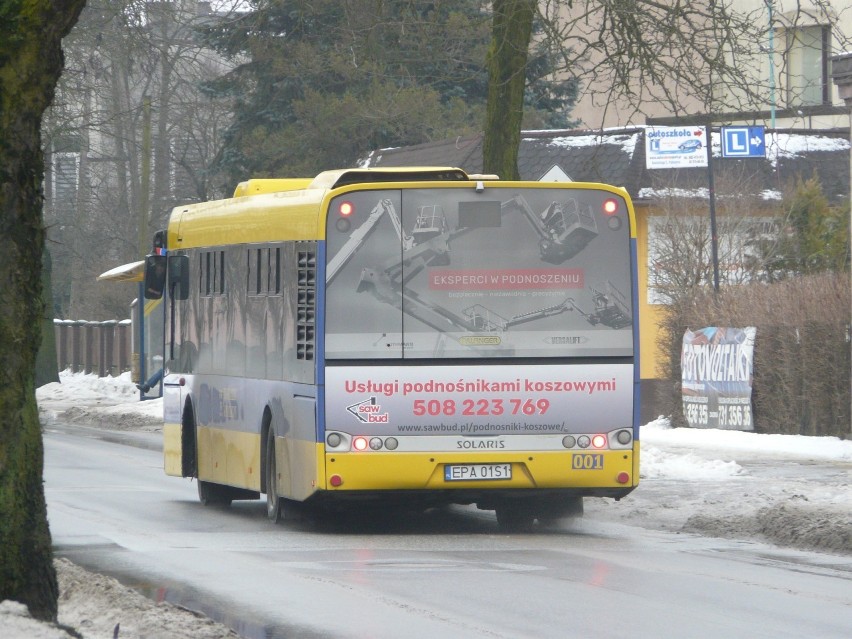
714,238
769,4
143,354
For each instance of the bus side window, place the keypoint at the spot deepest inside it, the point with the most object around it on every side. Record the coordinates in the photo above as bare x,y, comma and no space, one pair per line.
179,276
155,276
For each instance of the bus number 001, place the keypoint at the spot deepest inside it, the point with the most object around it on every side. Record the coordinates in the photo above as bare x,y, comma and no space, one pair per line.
587,462
471,407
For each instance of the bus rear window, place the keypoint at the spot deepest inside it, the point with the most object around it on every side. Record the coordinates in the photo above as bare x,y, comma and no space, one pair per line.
451,273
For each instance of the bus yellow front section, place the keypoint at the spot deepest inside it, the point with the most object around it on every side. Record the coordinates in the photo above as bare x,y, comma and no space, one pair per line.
426,471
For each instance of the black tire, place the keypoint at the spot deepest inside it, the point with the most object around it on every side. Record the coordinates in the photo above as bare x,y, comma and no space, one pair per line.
575,510
273,501
554,517
562,509
514,517
211,494
189,458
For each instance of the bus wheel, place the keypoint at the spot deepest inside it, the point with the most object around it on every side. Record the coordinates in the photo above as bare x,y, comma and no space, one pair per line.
273,501
514,517
211,494
556,515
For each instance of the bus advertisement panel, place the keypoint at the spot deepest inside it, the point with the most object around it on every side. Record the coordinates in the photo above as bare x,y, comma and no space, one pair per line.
479,401
451,274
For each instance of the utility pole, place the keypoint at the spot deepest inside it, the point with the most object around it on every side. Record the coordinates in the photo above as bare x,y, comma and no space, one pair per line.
770,4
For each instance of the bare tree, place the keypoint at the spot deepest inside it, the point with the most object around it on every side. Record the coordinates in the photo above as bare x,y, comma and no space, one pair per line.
135,69
679,241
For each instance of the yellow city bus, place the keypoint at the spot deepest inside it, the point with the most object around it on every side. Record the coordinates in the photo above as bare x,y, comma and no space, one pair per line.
413,336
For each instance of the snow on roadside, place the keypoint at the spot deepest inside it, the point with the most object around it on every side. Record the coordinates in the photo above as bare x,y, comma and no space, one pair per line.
75,388
659,464
103,402
94,605
16,623
98,607
786,490
659,432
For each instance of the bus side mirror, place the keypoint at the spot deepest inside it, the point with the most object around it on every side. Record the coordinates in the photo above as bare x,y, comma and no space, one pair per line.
155,276
179,276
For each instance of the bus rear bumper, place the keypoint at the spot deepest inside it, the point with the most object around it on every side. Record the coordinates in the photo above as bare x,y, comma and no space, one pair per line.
608,473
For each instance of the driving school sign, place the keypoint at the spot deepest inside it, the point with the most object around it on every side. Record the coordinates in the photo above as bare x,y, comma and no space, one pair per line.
674,147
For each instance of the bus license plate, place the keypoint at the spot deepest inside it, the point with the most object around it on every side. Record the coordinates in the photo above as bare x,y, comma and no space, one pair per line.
477,472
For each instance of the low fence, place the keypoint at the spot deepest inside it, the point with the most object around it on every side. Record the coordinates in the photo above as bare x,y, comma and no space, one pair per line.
103,348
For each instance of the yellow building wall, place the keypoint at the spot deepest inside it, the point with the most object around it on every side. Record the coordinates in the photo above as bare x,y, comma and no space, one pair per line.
650,315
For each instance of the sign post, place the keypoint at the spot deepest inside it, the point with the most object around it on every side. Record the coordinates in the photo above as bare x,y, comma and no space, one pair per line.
711,187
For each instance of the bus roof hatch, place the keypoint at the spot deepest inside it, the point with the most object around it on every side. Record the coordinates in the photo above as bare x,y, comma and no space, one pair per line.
345,177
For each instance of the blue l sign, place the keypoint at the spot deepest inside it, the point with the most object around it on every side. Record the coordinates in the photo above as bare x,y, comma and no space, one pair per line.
743,142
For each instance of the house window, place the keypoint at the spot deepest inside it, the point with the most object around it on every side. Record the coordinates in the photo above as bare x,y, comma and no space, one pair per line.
808,81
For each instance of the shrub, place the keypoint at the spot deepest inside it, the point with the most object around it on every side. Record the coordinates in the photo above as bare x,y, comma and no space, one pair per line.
802,349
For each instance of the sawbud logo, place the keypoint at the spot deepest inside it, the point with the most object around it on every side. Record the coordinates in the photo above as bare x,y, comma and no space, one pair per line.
368,412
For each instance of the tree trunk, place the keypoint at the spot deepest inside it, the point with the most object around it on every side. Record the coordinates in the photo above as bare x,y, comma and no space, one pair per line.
507,60
30,63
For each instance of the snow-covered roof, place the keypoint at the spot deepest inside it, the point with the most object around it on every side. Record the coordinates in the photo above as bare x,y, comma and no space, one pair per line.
617,156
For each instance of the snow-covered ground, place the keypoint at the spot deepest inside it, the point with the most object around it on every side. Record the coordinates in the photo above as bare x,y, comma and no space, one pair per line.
781,489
